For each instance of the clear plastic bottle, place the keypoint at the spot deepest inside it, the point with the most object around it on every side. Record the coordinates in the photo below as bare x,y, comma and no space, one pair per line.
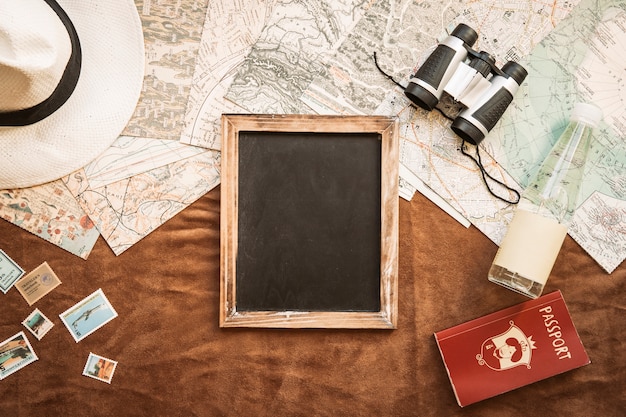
539,226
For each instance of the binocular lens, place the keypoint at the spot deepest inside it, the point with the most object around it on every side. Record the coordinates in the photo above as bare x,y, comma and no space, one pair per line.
420,96
431,73
467,131
515,71
465,33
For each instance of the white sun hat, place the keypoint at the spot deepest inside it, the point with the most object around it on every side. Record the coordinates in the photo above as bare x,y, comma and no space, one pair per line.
71,72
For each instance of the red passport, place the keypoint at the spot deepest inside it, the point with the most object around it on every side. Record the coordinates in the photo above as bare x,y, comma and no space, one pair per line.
510,348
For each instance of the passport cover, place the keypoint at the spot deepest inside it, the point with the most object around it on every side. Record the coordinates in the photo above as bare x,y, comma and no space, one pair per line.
510,348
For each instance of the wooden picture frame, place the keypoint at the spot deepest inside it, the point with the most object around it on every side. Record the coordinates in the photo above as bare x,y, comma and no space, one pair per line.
309,221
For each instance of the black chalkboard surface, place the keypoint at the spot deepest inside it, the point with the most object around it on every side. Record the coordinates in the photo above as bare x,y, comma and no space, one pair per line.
309,221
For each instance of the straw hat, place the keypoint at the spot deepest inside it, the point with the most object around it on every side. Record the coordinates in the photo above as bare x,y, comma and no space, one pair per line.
70,76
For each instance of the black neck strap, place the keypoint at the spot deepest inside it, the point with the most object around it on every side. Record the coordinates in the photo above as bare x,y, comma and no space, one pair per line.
64,89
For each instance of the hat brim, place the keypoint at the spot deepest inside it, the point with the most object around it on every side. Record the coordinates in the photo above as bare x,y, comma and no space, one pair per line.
103,102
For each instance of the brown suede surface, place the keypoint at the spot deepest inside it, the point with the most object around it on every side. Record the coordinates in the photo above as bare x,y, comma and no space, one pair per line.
174,360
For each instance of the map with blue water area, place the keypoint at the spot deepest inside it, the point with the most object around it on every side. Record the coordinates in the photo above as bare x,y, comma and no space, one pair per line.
581,60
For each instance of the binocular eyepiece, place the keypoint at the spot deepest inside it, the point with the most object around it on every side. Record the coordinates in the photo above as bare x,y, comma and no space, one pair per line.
470,78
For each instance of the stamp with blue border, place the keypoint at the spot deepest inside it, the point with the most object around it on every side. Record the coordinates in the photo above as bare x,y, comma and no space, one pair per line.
88,315
10,272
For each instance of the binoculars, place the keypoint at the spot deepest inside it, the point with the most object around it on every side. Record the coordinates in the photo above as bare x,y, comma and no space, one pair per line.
470,78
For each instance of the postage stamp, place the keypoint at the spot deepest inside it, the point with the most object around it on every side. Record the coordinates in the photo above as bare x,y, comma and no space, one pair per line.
38,324
15,353
100,368
37,283
88,315
10,272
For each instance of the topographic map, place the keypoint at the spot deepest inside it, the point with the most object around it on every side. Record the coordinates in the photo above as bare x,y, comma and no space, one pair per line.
351,83
581,60
139,183
128,210
230,30
298,38
130,156
50,212
172,32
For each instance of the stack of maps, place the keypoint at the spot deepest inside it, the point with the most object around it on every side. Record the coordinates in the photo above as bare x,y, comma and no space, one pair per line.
281,56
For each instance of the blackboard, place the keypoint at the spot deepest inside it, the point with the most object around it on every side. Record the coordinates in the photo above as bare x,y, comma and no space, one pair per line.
309,221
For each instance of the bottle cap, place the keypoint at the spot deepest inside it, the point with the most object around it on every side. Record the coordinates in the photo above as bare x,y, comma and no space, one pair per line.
587,113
